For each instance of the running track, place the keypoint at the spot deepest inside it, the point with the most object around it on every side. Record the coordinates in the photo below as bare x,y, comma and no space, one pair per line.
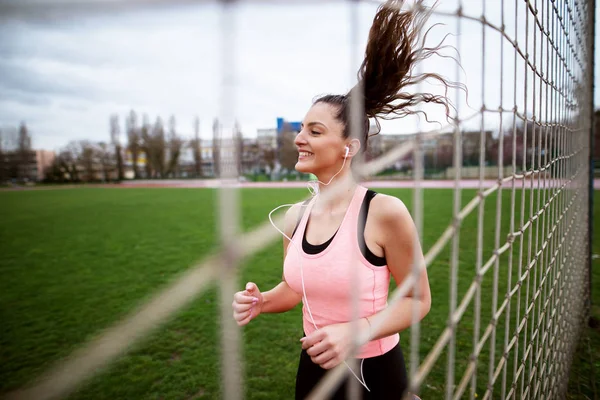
428,184
213,183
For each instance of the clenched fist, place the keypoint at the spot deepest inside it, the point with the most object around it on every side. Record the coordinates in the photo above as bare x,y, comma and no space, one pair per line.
247,304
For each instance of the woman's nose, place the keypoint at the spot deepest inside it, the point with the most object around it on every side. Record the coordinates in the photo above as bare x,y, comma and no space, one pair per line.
300,140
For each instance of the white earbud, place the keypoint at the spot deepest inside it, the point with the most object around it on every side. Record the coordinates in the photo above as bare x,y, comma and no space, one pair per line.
347,151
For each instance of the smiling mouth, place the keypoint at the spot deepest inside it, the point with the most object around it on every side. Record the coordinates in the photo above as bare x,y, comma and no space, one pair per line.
303,154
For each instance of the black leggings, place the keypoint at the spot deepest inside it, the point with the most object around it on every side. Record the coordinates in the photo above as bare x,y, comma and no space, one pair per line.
385,376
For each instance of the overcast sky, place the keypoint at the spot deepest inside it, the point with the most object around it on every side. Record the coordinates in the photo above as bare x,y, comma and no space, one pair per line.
65,70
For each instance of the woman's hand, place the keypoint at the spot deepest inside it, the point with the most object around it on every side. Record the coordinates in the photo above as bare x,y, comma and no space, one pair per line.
247,304
329,346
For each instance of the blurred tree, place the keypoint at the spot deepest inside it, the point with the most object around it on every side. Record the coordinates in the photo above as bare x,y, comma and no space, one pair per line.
268,159
216,148
56,172
88,160
106,159
288,153
115,139
23,157
175,143
134,141
515,146
252,154
238,139
444,156
24,138
158,149
196,146
69,159
145,145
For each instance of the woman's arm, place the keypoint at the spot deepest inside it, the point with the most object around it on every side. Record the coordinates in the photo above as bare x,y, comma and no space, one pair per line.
402,249
250,303
280,299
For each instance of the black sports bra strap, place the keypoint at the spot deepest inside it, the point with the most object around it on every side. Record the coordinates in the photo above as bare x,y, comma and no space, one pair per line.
362,222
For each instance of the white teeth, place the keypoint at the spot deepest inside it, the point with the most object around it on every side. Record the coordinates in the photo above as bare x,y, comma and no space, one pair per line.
304,153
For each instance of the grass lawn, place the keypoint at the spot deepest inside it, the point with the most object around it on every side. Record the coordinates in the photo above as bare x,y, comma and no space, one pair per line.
74,261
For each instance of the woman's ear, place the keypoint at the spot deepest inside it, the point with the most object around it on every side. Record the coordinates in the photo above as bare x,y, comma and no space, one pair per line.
353,147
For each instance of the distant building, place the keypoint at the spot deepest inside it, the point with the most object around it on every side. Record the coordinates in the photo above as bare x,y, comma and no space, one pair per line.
438,151
228,150
141,161
28,166
44,160
267,138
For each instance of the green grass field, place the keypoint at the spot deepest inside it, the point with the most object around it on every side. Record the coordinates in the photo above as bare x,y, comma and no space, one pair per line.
75,261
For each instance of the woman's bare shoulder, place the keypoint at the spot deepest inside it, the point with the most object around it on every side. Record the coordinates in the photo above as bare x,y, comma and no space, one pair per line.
389,209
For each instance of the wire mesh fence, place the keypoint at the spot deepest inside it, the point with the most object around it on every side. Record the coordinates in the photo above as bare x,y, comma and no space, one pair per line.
521,307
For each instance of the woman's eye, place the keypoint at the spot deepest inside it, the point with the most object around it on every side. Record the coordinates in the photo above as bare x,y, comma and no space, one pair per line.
315,132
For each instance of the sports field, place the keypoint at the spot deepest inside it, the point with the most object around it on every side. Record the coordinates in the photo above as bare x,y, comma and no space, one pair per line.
74,261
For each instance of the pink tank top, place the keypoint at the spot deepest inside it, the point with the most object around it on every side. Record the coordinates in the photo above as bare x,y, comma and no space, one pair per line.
328,278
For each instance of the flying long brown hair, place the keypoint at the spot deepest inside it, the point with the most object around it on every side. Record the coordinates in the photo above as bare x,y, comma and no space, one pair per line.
394,48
